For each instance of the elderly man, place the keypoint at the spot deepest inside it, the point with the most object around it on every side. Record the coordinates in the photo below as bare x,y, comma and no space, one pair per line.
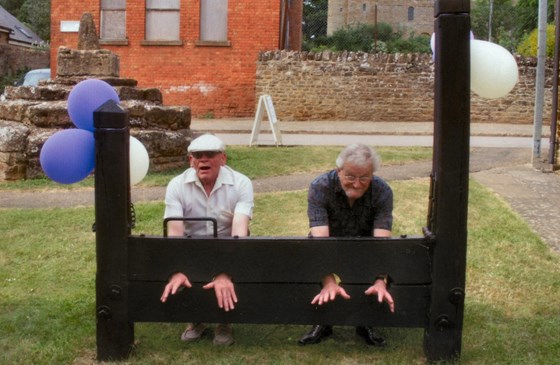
209,188
350,201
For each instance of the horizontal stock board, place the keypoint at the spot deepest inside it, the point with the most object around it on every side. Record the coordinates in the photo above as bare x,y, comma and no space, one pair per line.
280,260
288,303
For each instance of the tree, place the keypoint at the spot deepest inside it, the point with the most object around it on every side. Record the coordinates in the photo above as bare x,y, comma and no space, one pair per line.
491,20
529,46
12,6
36,14
527,15
315,14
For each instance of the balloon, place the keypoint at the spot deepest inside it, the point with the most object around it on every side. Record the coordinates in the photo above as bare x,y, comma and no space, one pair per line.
139,161
494,70
85,98
68,156
433,44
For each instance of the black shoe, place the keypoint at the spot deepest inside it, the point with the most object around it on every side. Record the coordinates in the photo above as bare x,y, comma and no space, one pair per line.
371,336
316,335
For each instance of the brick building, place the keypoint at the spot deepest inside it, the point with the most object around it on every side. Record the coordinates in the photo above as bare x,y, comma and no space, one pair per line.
403,15
200,53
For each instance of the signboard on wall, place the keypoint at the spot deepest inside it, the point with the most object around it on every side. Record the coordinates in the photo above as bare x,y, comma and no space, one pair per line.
69,26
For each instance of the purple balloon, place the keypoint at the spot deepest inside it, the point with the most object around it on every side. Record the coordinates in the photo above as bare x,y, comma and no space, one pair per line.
68,156
85,98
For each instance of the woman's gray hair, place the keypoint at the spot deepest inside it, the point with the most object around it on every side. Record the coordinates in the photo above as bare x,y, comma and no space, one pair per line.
360,155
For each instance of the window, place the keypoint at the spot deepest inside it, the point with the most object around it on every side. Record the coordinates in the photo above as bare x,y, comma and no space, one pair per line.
214,21
113,19
410,13
162,20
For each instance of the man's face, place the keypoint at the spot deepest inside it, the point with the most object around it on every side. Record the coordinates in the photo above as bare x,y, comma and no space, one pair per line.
207,165
355,180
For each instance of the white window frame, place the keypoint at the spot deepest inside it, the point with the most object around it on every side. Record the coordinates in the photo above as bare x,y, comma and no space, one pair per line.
163,22
213,23
112,20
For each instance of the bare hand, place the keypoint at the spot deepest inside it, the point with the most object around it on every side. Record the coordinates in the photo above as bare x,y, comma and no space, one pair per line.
380,289
329,293
225,291
177,281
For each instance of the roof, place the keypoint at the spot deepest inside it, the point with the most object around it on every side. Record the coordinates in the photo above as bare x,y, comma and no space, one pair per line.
20,34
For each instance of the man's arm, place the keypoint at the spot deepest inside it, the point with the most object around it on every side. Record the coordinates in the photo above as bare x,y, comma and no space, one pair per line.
240,225
222,283
319,231
379,232
379,287
175,229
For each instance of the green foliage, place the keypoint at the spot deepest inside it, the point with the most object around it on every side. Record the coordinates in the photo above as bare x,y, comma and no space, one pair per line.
315,19
36,14
414,44
358,38
527,14
501,20
372,39
511,21
12,6
529,46
8,80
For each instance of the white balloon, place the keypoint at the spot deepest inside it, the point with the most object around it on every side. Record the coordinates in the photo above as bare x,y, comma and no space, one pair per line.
433,43
494,71
139,161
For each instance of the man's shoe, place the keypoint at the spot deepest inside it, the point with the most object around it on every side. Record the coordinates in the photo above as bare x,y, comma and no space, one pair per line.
193,332
223,335
316,335
371,336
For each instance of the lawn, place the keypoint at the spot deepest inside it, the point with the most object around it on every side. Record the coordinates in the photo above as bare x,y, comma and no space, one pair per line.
47,292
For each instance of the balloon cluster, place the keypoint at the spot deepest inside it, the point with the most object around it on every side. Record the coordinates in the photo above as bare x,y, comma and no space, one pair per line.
68,156
494,71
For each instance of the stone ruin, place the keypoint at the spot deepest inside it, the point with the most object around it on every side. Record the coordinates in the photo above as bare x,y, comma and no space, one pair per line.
30,115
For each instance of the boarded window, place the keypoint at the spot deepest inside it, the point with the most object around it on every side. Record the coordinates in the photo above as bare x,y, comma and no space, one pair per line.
410,13
113,19
162,20
213,20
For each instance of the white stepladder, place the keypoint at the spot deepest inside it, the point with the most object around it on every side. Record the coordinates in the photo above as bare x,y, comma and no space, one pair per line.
265,103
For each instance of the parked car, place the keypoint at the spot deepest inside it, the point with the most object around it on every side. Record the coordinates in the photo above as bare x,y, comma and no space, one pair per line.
33,77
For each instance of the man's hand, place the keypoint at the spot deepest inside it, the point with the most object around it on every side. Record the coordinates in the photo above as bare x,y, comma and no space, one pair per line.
380,289
329,293
225,291
177,281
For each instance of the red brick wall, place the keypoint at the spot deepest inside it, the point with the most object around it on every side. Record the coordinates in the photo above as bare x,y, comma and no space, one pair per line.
216,81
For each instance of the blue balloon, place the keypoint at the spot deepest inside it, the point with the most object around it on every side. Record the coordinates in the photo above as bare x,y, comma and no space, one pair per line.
68,156
85,98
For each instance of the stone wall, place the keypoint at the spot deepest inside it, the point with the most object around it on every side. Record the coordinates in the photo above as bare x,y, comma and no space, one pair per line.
379,87
30,115
14,59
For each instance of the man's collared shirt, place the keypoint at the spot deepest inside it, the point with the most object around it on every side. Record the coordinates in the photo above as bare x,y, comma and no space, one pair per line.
328,206
232,193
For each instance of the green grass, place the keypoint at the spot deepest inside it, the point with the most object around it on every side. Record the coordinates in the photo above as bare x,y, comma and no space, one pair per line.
255,162
47,291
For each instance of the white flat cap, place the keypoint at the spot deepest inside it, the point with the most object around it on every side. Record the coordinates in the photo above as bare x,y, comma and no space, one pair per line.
206,142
